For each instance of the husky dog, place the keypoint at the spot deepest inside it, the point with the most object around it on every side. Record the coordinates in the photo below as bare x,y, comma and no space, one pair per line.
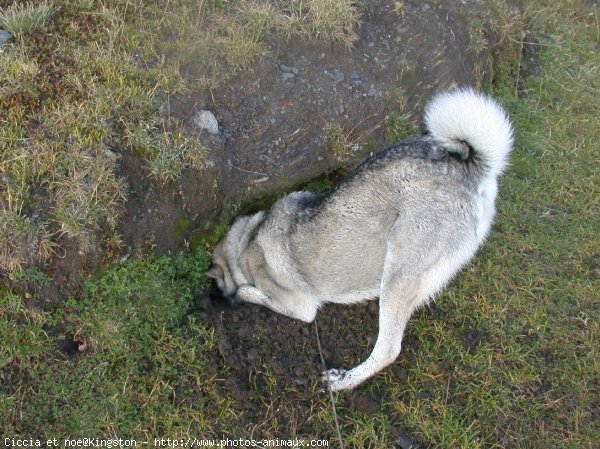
399,228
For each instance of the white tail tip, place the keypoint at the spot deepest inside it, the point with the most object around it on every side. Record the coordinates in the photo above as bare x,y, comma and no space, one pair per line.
464,116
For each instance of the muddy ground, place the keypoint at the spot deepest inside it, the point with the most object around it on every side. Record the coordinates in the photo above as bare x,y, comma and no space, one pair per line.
275,118
271,364
272,361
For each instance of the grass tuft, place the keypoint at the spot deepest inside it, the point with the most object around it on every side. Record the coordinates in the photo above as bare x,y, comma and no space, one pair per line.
323,19
23,242
23,18
87,196
167,152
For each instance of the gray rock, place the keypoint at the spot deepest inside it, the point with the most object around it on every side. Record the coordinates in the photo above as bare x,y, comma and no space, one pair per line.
287,76
36,217
402,439
206,120
5,36
338,75
406,443
373,93
423,395
288,69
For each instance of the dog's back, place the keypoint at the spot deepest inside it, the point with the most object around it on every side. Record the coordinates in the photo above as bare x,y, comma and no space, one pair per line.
447,175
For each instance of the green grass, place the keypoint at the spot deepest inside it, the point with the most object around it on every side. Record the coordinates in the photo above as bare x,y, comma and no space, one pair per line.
130,355
508,359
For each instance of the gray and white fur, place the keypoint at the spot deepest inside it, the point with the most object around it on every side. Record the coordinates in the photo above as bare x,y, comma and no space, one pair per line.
399,228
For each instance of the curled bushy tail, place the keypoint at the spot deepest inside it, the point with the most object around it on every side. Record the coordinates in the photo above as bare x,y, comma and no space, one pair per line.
463,118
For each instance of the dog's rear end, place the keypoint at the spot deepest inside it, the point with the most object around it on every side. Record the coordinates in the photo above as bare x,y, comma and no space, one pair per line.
439,230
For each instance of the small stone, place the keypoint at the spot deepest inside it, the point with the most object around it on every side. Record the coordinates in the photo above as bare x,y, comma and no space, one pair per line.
36,217
372,93
355,76
287,76
400,372
338,75
402,440
206,120
288,69
5,36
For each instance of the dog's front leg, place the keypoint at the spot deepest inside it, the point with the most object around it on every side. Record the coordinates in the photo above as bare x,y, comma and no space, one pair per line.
299,307
251,294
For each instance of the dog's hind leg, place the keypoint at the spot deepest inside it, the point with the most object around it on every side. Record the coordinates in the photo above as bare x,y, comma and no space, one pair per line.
414,270
398,300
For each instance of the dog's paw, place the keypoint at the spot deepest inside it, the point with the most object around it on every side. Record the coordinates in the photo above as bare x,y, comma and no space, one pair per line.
335,378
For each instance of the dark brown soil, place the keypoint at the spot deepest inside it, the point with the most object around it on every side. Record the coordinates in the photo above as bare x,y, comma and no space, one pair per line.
255,342
274,118
270,361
